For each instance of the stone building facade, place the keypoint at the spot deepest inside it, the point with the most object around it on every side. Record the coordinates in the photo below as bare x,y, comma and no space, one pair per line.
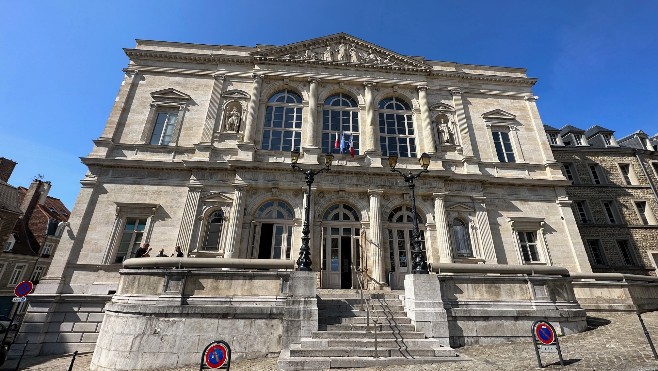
196,154
614,195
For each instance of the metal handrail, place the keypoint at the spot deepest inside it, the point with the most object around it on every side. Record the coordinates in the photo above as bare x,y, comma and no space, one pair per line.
166,262
362,275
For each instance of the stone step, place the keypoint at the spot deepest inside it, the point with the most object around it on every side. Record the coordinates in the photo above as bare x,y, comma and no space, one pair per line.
363,352
415,344
366,335
361,313
362,327
343,306
362,320
326,363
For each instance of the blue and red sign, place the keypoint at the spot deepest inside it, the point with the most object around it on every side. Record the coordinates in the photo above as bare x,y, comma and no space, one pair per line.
544,333
216,355
23,289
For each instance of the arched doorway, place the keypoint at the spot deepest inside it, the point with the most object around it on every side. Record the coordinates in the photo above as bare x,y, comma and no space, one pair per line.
341,251
400,236
272,231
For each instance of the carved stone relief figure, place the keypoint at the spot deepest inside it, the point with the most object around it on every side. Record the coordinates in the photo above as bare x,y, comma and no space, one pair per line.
328,54
342,52
446,134
232,117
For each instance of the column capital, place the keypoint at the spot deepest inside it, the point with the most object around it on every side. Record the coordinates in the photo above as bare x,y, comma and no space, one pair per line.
130,72
257,76
422,88
218,76
531,98
455,92
439,195
240,186
369,84
375,192
314,80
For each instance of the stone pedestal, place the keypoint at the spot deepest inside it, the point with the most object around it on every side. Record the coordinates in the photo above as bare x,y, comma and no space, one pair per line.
423,304
300,316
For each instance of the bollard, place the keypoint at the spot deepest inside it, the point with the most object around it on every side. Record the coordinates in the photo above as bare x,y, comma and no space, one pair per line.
73,360
21,358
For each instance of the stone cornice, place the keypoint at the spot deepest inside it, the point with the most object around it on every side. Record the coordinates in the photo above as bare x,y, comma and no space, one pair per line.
169,56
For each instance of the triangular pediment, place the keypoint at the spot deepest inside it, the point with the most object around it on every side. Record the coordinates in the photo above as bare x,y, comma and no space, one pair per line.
460,208
340,49
442,107
498,114
169,95
217,198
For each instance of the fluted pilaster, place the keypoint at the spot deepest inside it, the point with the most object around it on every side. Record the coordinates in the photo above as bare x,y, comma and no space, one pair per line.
428,144
484,231
252,110
445,251
213,109
376,249
235,223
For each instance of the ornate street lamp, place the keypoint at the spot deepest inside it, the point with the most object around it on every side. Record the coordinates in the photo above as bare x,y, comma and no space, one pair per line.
419,260
304,261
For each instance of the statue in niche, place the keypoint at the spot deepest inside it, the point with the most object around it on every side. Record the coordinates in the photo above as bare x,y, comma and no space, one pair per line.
445,132
233,120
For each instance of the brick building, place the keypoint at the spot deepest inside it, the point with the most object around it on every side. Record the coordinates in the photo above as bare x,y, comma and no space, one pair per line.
614,195
30,238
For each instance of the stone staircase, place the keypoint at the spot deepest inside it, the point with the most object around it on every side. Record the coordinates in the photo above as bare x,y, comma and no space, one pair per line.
345,341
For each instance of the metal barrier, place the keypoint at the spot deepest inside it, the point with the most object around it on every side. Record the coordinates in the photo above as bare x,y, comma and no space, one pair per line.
180,263
499,269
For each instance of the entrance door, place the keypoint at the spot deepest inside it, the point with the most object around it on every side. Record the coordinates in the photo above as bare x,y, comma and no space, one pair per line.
340,255
400,249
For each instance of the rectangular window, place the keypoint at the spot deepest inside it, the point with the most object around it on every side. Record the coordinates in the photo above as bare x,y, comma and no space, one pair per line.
578,139
8,246
164,128
16,275
582,211
503,146
569,171
131,238
37,273
645,214
625,251
528,242
625,170
552,139
47,250
611,212
595,171
607,139
595,252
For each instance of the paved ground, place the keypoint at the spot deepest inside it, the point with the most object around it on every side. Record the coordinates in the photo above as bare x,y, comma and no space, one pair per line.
614,342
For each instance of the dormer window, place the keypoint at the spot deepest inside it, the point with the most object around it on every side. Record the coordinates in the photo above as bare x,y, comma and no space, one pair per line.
578,139
9,244
607,139
552,139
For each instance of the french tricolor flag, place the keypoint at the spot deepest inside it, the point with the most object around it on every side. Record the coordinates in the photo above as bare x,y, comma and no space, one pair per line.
337,144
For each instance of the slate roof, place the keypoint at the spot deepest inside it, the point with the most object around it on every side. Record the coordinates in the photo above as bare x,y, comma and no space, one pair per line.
9,200
595,130
571,129
550,128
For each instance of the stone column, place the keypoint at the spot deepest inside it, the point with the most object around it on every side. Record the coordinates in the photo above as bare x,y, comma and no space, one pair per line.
428,144
310,139
234,227
129,83
377,252
189,215
369,133
484,231
462,125
538,126
213,108
445,251
252,110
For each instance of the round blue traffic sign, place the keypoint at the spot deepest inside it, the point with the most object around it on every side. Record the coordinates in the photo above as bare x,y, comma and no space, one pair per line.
216,356
544,333
23,289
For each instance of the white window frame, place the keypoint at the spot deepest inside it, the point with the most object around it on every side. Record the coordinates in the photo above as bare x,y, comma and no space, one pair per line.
37,273
570,167
295,126
554,139
536,226
47,249
9,244
596,174
628,178
167,100
17,274
124,211
349,123
647,214
404,116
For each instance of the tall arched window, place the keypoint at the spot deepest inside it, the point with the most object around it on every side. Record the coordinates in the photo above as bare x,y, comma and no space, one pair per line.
214,226
400,238
282,130
462,239
272,231
340,119
396,128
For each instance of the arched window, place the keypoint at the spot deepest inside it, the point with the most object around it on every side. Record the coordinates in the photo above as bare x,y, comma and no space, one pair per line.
282,130
462,239
272,231
396,128
341,212
340,121
400,238
214,225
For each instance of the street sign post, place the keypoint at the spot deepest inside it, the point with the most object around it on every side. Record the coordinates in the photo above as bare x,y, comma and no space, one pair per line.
217,355
545,340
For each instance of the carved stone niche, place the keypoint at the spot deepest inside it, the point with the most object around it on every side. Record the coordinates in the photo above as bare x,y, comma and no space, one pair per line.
443,117
233,117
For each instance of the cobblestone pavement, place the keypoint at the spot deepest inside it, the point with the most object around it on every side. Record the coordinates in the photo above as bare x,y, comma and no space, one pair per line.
614,341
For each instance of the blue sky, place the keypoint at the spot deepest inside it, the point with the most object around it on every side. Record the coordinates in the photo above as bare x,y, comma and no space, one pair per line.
61,61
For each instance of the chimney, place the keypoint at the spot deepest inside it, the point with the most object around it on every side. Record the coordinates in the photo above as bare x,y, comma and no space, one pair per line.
45,188
31,198
6,168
